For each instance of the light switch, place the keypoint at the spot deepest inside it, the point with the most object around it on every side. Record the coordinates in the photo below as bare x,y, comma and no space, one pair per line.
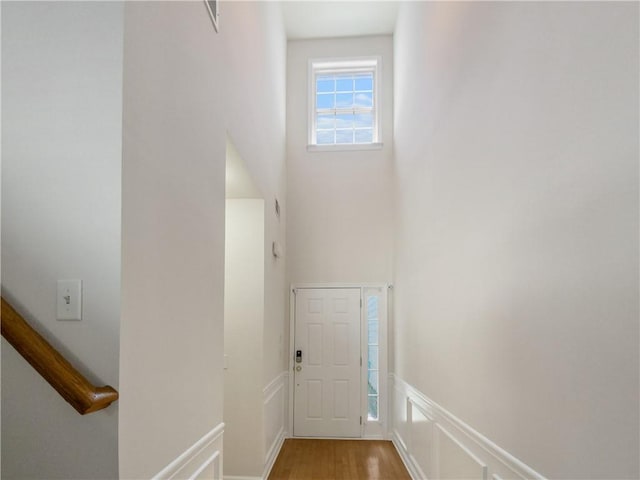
69,303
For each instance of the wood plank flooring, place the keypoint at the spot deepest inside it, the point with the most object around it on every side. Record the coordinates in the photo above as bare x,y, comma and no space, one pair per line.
302,459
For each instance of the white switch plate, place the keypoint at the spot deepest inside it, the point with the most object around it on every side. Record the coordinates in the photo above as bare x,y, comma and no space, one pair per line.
69,302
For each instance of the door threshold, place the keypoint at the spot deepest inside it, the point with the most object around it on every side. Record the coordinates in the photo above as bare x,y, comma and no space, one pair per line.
337,438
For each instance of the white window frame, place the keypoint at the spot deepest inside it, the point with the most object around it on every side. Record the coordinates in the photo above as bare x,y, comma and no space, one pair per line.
345,65
375,429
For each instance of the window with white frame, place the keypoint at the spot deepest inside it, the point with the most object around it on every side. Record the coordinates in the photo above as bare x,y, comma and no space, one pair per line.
373,360
374,371
344,104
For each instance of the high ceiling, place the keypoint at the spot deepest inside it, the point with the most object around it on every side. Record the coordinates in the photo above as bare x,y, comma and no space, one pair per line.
336,18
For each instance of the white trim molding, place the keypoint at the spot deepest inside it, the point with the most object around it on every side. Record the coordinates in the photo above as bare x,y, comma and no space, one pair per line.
272,454
275,399
273,387
434,443
201,460
342,147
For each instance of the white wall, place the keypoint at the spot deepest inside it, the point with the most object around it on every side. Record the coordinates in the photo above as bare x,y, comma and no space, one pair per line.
340,203
254,62
254,414
516,299
173,235
243,334
185,88
61,152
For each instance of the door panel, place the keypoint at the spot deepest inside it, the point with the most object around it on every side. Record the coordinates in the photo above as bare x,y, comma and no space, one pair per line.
314,399
327,381
314,344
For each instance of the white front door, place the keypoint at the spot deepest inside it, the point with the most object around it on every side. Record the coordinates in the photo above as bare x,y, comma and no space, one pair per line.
327,369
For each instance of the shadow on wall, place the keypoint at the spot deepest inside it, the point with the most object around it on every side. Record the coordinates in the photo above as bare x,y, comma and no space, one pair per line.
243,320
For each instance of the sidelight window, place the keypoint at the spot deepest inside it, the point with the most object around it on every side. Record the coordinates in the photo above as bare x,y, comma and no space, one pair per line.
373,369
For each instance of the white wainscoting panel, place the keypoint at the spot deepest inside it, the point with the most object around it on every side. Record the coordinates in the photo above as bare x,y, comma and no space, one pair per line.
275,396
421,439
456,461
434,444
201,461
400,415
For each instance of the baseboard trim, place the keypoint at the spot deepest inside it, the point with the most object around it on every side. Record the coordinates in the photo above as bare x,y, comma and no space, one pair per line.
271,460
203,456
273,454
410,465
490,459
274,396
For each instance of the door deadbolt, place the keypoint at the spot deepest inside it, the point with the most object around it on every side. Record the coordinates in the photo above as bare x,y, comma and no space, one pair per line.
298,356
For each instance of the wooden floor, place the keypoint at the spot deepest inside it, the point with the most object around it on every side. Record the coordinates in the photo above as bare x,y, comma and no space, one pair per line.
302,459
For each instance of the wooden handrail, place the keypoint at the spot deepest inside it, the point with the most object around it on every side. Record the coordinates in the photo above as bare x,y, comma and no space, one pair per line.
55,369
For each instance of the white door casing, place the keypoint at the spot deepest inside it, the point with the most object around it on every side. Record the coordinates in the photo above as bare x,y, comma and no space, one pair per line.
327,401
